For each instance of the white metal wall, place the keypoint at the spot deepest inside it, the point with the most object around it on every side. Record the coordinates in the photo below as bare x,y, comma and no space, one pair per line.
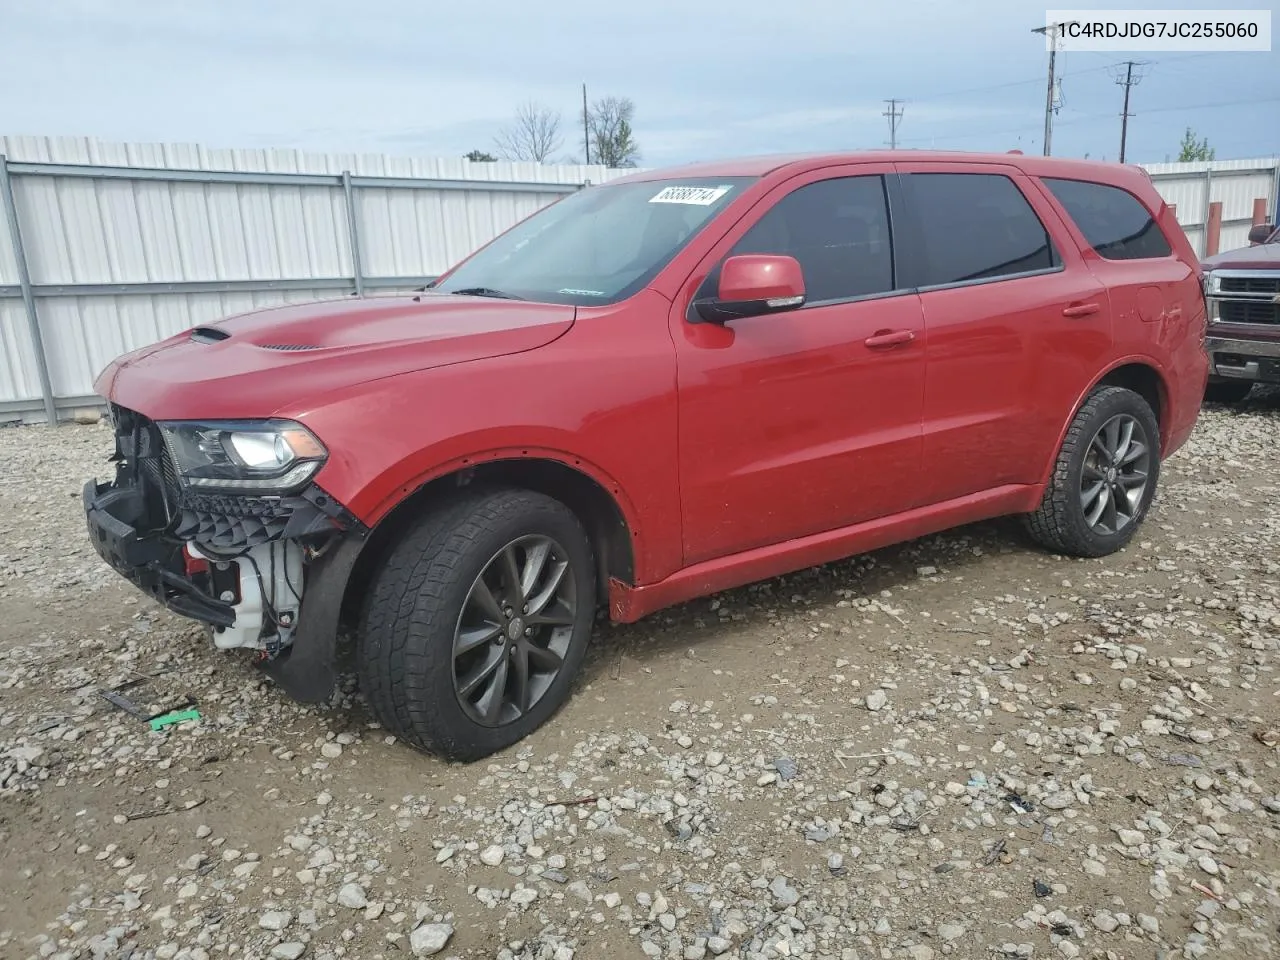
91,230
1236,183
229,236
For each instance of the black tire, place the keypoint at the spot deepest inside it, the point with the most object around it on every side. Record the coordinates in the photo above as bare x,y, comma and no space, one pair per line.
1061,523
416,600
1227,391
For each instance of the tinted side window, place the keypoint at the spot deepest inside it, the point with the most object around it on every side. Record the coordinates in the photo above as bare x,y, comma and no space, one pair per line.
1113,221
976,226
839,232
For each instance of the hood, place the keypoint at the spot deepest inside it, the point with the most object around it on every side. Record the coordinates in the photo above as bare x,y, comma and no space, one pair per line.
252,364
1265,256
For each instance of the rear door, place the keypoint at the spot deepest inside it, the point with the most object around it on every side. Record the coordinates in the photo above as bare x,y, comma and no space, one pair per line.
1155,296
1016,324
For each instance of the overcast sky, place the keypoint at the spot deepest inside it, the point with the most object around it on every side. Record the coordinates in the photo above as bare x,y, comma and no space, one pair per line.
710,78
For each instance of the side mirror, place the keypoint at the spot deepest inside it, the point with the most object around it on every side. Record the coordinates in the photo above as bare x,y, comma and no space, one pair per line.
1261,233
754,284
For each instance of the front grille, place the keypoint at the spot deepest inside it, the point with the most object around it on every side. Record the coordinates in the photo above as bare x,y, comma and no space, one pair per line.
145,459
232,522
1250,284
1248,311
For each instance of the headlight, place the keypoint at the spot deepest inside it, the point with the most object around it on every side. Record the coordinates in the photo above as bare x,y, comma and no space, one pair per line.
246,456
1212,290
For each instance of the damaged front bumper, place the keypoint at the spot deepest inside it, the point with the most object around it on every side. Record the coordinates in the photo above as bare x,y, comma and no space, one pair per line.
266,573
154,563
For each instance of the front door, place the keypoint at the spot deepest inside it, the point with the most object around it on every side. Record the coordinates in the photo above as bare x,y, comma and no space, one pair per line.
808,420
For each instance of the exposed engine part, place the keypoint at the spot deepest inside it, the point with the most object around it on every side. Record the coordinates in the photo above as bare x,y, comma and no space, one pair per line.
268,599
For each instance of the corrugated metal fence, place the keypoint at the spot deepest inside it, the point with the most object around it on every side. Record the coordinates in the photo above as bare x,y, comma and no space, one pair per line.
120,245
1195,188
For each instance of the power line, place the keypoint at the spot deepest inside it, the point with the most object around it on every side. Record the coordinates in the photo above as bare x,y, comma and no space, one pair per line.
893,114
1082,118
1128,81
951,95
1189,106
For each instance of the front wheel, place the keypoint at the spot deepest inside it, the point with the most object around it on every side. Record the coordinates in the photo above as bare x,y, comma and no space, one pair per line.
1104,478
477,623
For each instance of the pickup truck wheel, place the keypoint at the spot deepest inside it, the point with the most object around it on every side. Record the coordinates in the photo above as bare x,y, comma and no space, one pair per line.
1227,391
477,623
1104,478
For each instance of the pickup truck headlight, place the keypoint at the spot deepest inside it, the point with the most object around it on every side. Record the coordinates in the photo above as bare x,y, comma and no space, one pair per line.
1212,291
244,456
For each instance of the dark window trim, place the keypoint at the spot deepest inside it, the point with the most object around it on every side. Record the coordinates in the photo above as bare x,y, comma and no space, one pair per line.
895,210
919,261
1004,277
1155,219
861,298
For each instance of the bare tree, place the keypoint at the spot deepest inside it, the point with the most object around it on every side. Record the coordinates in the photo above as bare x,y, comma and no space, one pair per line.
533,135
612,141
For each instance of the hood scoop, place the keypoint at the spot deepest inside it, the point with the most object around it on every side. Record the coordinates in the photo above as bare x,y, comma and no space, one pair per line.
289,346
208,335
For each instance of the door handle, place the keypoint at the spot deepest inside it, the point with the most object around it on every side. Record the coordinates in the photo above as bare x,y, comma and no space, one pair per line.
889,338
1080,309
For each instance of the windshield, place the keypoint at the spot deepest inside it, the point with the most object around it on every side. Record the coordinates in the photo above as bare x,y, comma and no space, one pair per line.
597,246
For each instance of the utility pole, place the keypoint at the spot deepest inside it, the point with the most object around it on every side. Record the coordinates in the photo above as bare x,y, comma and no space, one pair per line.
586,128
894,114
1052,31
1127,81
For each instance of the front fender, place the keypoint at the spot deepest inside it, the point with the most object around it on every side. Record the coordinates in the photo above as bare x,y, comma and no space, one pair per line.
403,479
600,400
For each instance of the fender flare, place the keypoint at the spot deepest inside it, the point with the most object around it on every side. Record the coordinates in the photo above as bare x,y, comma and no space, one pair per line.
572,461
308,671
1116,364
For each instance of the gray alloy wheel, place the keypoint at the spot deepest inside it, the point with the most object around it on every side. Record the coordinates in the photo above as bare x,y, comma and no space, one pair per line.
1116,471
1104,477
477,620
514,630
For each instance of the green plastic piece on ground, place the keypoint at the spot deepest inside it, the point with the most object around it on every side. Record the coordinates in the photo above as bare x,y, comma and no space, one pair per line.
169,719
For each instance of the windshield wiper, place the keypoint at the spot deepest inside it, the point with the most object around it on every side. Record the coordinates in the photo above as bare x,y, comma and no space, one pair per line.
484,292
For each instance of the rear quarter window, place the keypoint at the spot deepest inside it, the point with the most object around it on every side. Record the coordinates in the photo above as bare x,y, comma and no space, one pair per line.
1114,222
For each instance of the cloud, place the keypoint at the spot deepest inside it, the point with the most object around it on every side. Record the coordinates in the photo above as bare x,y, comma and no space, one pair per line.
710,78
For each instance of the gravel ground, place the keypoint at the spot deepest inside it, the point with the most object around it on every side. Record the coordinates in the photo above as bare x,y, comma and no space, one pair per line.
960,747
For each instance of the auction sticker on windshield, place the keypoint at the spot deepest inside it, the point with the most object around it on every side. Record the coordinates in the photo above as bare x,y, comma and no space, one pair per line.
698,196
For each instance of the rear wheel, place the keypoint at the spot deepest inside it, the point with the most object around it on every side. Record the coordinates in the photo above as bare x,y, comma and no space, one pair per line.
1104,478
477,623
1227,391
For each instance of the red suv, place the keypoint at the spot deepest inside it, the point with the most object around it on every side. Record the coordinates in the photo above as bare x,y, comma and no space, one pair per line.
654,389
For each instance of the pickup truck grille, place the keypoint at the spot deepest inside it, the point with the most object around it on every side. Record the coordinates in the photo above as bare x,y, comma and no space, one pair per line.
1251,285
1247,297
1248,311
